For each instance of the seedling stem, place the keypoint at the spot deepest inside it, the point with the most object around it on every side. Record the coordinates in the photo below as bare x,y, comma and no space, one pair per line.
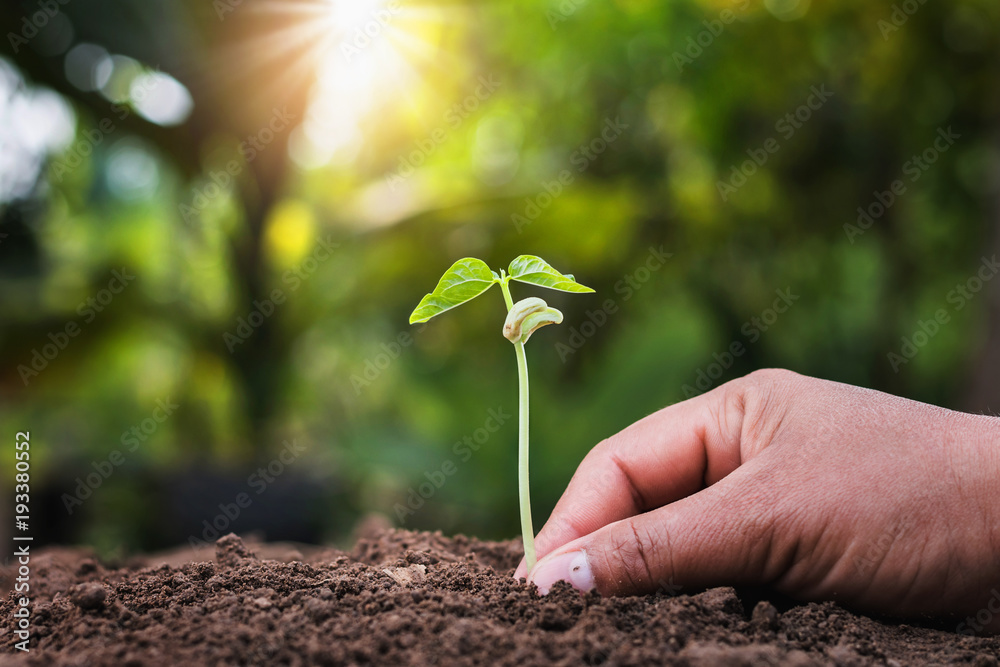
523,484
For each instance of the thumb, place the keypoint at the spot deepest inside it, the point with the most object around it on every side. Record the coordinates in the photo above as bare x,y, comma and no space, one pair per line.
718,535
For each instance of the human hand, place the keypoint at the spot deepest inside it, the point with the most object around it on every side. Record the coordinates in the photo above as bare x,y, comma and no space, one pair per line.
822,490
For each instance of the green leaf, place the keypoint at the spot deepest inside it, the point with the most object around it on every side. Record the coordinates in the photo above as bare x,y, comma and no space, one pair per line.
536,271
465,280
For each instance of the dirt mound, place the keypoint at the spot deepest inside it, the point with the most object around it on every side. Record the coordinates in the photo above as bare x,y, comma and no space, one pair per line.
405,598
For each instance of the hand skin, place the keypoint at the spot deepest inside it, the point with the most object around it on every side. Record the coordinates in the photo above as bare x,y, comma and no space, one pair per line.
821,490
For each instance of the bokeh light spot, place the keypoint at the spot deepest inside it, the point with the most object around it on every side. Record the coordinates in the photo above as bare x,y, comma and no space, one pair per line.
88,66
291,229
132,171
787,10
161,99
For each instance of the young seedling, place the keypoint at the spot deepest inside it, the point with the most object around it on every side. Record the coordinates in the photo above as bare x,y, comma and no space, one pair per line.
467,279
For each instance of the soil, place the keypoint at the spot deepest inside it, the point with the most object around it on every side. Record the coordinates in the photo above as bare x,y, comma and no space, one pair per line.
408,598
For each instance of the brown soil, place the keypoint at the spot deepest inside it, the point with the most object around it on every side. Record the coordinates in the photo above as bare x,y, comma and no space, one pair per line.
404,598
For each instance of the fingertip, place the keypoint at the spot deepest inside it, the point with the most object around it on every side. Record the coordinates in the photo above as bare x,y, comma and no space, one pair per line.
572,567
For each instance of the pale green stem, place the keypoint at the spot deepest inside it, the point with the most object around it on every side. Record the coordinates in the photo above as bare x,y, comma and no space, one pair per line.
527,532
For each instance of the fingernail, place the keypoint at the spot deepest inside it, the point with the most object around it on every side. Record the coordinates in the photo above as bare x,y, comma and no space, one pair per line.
572,567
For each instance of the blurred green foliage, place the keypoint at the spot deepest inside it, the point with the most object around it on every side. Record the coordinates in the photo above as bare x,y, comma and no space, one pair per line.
382,405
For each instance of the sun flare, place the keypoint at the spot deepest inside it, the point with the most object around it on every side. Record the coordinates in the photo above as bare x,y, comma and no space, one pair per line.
373,58
363,66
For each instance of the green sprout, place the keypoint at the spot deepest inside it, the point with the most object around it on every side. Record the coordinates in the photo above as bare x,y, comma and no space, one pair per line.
467,279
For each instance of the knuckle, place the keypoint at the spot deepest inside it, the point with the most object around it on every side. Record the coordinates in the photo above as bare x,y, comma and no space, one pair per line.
761,401
771,377
634,553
